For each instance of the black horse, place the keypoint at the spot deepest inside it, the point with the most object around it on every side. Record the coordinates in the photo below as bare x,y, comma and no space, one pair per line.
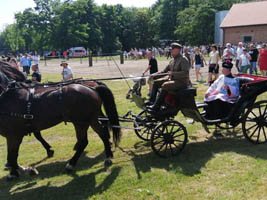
26,108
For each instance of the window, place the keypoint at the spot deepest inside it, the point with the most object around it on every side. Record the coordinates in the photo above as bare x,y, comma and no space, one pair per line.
247,39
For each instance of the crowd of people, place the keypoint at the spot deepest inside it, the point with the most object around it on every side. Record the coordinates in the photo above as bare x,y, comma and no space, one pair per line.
224,89
30,62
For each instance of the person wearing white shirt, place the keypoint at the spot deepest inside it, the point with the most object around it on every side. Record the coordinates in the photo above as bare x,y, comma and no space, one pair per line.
66,72
222,94
213,63
239,51
228,53
244,62
35,59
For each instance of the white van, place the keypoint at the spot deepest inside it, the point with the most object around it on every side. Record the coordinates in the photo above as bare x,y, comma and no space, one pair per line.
77,52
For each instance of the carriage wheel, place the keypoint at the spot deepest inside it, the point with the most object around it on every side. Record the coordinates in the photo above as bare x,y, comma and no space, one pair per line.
255,123
146,123
169,138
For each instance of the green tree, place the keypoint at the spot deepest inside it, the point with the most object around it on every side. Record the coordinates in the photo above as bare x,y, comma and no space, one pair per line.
196,24
11,39
109,26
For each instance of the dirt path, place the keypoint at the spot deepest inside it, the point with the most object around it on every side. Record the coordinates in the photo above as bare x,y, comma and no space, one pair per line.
107,68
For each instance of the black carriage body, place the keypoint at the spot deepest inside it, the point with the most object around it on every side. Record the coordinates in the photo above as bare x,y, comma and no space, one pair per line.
168,137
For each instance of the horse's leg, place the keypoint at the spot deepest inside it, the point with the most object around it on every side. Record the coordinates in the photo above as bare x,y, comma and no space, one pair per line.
13,144
82,141
103,133
47,147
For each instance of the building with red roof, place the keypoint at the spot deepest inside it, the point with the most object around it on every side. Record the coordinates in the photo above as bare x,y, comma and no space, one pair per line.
245,22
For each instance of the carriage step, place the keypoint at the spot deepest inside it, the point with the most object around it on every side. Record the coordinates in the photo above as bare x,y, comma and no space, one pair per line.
201,104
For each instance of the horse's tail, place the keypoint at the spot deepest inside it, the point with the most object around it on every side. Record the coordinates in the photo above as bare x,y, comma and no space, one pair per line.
111,111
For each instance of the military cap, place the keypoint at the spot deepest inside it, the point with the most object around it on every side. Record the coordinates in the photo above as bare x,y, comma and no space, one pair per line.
227,64
176,45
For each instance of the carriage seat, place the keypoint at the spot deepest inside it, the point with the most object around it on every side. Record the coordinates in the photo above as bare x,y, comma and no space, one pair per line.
243,80
173,96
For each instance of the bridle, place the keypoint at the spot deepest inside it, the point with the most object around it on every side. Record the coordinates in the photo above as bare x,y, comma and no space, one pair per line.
5,84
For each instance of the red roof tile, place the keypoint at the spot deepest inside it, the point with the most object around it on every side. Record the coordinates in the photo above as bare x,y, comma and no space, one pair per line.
246,14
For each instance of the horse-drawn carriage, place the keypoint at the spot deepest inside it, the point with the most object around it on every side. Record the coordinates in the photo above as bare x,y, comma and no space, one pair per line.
27,108
168,137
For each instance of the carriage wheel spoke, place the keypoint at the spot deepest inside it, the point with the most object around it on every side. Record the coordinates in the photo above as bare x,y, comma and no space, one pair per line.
178,135
260,110
166,148
251,127
156,143
254,132
264,133
172,128
162,146
174,132
258,136
158,134
176,146
265,109
254,114
249,119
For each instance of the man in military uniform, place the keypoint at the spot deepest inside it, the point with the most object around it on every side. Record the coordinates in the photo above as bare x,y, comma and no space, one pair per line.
177,77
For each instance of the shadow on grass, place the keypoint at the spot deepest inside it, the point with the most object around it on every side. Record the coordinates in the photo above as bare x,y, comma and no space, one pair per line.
195,155
79,187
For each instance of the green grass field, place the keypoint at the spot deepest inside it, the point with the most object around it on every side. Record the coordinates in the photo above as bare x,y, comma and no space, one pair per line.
208,168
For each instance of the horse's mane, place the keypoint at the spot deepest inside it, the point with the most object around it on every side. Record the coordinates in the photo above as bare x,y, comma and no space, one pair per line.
11,72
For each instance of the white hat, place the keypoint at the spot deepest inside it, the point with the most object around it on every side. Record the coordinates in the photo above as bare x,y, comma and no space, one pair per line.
63,62
228,44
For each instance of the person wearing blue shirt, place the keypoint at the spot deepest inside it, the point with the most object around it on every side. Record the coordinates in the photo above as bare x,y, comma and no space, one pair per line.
24,62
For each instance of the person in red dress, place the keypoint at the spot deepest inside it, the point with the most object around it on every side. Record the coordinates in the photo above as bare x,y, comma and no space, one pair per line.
262,61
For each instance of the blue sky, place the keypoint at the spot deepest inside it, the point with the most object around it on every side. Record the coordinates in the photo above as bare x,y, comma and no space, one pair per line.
9,7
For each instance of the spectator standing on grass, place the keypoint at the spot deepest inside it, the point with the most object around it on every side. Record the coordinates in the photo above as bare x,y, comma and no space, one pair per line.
198,61
213,64
228,53
244,62
188,55
24,63
66,72
65,54
262,61
239,51
35,59
152,67
254,53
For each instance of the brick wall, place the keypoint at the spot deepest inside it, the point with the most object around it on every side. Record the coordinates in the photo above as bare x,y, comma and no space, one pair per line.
237,34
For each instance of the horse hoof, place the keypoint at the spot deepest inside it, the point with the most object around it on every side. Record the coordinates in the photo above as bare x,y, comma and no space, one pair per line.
50,153
108,162
69,168
11,177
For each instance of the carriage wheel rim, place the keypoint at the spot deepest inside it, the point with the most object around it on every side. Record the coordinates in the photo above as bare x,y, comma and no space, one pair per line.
255,123
172,142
